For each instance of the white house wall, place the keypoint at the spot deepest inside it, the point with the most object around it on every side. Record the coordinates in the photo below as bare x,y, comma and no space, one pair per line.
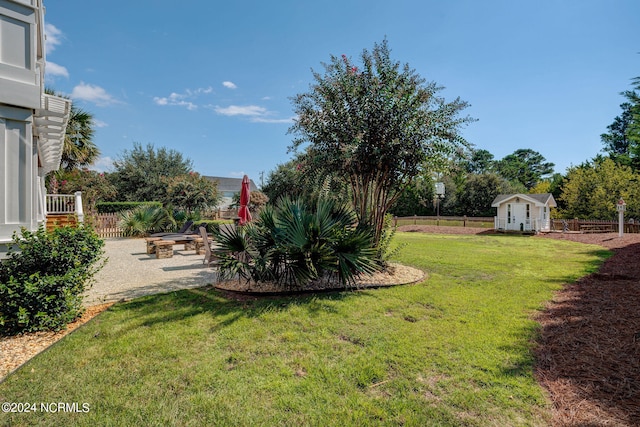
22,60
537,217
18,169
20,69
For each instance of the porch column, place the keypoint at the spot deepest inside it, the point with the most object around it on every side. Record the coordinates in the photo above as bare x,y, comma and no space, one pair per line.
79,210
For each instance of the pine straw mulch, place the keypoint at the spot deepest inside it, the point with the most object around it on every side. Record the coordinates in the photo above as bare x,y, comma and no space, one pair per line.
394,275
588,351
17,350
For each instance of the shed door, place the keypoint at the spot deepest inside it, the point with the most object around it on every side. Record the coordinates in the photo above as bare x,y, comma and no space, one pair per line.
518,215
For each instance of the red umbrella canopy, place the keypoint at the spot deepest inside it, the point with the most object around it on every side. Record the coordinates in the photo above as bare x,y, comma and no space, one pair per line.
243,213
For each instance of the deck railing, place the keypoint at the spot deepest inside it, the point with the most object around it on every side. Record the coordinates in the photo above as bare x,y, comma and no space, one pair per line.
65,204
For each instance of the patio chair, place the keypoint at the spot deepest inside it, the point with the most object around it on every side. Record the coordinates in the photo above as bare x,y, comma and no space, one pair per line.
209,257
184,230
196,229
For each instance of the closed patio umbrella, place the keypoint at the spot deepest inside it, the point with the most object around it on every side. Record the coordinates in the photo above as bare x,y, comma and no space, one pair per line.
243,213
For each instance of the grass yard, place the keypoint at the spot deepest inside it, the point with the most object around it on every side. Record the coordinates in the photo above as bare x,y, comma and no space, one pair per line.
454,350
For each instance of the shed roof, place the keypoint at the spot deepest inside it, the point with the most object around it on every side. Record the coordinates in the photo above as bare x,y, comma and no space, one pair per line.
545,199
231,184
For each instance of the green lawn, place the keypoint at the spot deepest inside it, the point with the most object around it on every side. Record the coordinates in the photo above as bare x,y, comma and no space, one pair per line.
454,350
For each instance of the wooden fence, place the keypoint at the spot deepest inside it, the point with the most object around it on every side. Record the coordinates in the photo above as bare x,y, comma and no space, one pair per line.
456,221
106,225
572,225
592,226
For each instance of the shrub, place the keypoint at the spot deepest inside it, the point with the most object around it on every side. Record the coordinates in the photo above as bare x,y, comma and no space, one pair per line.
44,276
114,207
212,225
145,220
291,244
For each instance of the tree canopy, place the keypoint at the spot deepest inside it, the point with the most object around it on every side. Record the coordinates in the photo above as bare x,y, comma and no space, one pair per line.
525,166
622,141
78,150
191,192
592,190
140,174
375,124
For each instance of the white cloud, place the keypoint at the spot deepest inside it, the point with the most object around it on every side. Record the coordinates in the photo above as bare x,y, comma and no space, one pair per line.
93,93
180,99
53,37
200,90
99,123
255,113
174,100
238,110
53,69
103,164
266,120
229,85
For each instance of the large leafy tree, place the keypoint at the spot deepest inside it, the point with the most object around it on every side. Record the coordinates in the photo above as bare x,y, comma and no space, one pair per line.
299,178
79,150
191,192
140,174
416,199
478,193
95,186
285,180
591,190
479,162
622,141
525,166
375,126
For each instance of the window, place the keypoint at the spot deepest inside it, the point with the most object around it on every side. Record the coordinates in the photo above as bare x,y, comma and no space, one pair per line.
528,211
509,213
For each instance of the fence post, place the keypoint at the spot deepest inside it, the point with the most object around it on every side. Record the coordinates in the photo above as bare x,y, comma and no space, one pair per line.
415,219
395,221
464,221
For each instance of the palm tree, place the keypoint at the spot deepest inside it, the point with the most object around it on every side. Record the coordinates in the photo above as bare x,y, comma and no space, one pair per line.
79,150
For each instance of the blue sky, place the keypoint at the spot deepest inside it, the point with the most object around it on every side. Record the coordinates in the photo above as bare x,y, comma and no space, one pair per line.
213,79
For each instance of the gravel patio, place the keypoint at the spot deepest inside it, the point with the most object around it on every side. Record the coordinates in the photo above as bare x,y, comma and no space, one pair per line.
130,272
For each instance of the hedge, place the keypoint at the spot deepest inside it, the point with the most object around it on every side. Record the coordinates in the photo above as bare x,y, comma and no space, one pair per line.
111,207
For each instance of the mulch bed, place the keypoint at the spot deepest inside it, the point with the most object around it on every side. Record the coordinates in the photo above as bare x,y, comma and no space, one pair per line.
18,349
588,351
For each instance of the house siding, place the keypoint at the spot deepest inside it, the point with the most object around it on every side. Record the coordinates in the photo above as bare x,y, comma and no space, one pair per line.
25,149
